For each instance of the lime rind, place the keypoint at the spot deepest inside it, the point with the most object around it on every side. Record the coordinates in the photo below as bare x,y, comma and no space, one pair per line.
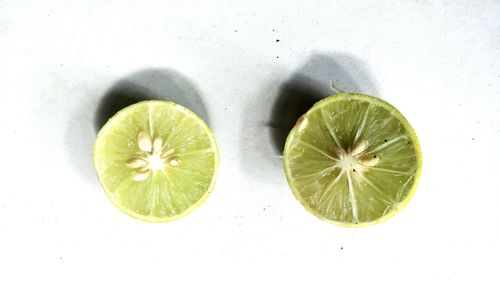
196,204
410,133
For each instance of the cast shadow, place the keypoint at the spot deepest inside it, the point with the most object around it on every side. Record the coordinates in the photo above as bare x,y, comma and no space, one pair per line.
312,83
271,114
150,84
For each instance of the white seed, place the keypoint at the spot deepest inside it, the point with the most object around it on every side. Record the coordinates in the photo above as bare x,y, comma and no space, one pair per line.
369,161
167,153
359,147
174,161
157,145
301,123
144,169
134,163
144,141
139,176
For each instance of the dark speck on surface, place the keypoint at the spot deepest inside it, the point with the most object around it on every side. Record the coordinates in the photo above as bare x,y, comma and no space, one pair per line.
277,40
472,138
342,248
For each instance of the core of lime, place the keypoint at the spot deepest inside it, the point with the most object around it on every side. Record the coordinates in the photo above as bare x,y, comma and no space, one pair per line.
156,160
352,160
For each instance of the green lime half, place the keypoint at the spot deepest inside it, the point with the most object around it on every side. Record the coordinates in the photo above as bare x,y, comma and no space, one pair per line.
156,160
353,160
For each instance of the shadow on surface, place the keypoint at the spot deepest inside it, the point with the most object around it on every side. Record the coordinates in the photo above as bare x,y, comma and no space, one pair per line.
294,98
270,115
159,84
150,84
312,83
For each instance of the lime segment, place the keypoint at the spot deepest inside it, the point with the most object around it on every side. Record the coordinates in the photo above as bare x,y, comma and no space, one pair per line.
353,160
156,160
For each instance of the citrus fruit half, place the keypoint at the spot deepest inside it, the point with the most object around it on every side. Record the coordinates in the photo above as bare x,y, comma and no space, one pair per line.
156,160
353,160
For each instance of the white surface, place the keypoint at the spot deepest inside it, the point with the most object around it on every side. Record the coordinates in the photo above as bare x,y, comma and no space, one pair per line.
437,61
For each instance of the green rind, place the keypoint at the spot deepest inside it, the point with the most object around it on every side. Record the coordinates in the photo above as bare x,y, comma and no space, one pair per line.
411,134
192,207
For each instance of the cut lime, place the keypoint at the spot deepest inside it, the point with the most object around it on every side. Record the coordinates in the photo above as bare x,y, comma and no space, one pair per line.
156,160
353,160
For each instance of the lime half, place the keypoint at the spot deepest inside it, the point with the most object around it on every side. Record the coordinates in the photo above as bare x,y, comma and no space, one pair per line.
352,160
156,160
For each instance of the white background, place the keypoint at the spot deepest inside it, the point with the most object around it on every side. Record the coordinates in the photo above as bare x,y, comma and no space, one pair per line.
436,61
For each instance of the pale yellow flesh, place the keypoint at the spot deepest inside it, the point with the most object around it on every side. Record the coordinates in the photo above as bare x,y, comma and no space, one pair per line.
353,160
156,160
